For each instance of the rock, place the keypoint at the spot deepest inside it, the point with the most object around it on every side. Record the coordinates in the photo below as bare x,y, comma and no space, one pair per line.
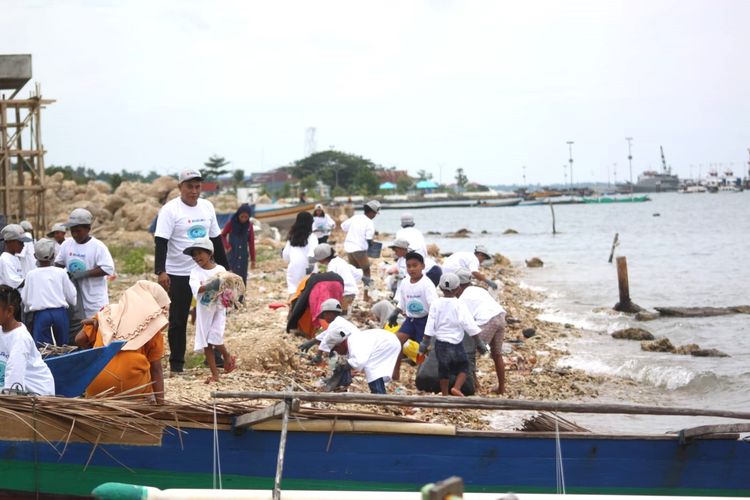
484,231
687,349
710,353
433,250
115,203
659,345
646,316
534,262
529,332
633,334
433,232
463,231
501,260
162,186
510,231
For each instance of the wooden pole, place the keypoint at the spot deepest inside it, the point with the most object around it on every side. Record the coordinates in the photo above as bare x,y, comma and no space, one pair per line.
615,242
625,304
282,449
552,209
482,403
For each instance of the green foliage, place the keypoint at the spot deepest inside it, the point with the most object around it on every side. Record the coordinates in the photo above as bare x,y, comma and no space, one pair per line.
423,175
130,260
308,182
338,191
81,175
350,172
238,177
461,179
214,168
403,184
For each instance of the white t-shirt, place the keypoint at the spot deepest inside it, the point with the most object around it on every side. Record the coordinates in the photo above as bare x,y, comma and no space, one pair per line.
210,320
48,288
359,228
21,363
480,304
458,260
11,271
85,257
182,224
448,320
415,238
375,352
415,298
340,324
322,226
28,261
345,270
298,260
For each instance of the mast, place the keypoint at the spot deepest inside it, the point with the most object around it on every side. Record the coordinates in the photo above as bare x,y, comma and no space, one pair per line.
664,167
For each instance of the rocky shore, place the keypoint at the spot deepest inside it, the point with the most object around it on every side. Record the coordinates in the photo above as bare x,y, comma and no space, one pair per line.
269,359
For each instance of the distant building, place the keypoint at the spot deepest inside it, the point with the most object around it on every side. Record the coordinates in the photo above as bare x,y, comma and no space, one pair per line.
390,175
273,180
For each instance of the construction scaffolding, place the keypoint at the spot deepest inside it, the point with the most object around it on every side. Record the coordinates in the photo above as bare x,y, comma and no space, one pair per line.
22,179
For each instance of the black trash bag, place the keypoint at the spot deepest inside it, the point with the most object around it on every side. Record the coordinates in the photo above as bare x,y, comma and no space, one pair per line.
427,373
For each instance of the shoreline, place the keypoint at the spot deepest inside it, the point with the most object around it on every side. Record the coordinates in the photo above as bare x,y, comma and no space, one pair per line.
269,360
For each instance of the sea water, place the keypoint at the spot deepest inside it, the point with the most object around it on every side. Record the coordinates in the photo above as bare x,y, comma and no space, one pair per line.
682,250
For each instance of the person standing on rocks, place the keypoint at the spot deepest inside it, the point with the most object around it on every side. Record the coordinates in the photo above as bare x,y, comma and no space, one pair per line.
360,230
415,238
238,237
179,224
470,261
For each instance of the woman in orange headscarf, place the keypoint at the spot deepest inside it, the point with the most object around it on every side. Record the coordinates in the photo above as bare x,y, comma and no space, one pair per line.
138,318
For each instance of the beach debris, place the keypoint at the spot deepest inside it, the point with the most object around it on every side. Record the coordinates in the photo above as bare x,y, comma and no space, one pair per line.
549,422
529,332
535,262
510,231
633,334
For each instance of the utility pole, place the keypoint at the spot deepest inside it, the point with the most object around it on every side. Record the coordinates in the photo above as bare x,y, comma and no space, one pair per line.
570,160
630,161
524,175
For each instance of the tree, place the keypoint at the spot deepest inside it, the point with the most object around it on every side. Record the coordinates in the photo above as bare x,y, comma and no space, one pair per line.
350,172
214,168
461,180
423,175
403,184
308,182
238,177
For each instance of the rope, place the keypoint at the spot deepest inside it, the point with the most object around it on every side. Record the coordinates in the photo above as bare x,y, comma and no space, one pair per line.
559,473
217,457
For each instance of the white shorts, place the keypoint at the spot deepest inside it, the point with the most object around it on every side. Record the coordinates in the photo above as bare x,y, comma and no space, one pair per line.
209,326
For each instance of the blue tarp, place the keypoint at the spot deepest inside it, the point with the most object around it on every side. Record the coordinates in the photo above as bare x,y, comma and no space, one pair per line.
74,372
426,184
387,185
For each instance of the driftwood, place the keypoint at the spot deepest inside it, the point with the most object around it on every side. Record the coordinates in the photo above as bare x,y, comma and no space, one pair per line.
701,312
264,414
483,403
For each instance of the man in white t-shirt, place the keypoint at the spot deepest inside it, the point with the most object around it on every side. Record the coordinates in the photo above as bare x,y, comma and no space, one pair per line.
88,263
490,316
360,230
179,224
328,261
470,261
416,242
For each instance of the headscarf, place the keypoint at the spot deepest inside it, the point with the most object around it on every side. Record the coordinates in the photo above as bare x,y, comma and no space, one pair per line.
383,310
240,230
140,314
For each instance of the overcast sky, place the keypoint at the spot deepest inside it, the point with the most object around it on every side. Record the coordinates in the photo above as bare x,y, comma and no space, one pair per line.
487,86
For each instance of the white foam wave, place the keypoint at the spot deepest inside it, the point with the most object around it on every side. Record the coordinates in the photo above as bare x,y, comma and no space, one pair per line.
525,286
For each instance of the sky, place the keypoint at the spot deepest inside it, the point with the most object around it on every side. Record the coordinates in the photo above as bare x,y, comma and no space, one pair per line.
487,86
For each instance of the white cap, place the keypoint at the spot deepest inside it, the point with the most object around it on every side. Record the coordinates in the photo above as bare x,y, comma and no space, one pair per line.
203,243
26,225
189,175
79,217
399,244
57,227
318,206
44,250
464,276
449,282
373,205
322,251
482,249
330,305
407,220
14,232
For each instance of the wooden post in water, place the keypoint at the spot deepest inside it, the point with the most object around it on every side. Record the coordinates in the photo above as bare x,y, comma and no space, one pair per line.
615,242
625,304
552,209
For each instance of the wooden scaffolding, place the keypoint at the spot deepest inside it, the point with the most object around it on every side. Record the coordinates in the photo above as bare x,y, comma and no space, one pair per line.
22,179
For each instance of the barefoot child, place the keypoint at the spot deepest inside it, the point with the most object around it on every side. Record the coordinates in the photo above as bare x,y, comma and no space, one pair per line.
21,365
210,319
447,322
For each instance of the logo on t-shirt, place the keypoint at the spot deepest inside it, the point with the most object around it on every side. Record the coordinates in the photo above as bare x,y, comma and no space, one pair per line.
415,306
2,373
75,265
196,232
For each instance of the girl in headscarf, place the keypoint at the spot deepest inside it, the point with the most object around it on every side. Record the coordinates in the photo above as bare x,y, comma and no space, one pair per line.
298,252
138,318
239,241
323,224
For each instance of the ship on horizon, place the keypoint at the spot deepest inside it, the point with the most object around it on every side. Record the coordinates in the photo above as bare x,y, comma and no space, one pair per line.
651,181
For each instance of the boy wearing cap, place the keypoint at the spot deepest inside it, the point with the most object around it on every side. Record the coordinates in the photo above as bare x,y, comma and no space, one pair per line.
330,262
47,294
360,230
57,233
210,317
470,261
447,322
490,317
28,261
400,248
87,261
322,225
11,270
180,223
416,242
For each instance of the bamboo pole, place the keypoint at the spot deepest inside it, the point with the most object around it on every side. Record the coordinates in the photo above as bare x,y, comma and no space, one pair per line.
282,450
483,403
552,209
615,242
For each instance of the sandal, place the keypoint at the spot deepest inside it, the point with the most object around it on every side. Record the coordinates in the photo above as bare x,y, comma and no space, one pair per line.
230,364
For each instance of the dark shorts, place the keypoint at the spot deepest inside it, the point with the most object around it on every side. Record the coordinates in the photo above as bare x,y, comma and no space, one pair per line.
451,358
414,328
377,386
359,260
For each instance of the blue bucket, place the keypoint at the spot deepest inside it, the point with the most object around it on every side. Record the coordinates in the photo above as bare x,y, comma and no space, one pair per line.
373,249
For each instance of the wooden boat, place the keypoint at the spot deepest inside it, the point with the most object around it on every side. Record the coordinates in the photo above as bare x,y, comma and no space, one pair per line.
508,202
57,450
280,216
617,199
418,204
